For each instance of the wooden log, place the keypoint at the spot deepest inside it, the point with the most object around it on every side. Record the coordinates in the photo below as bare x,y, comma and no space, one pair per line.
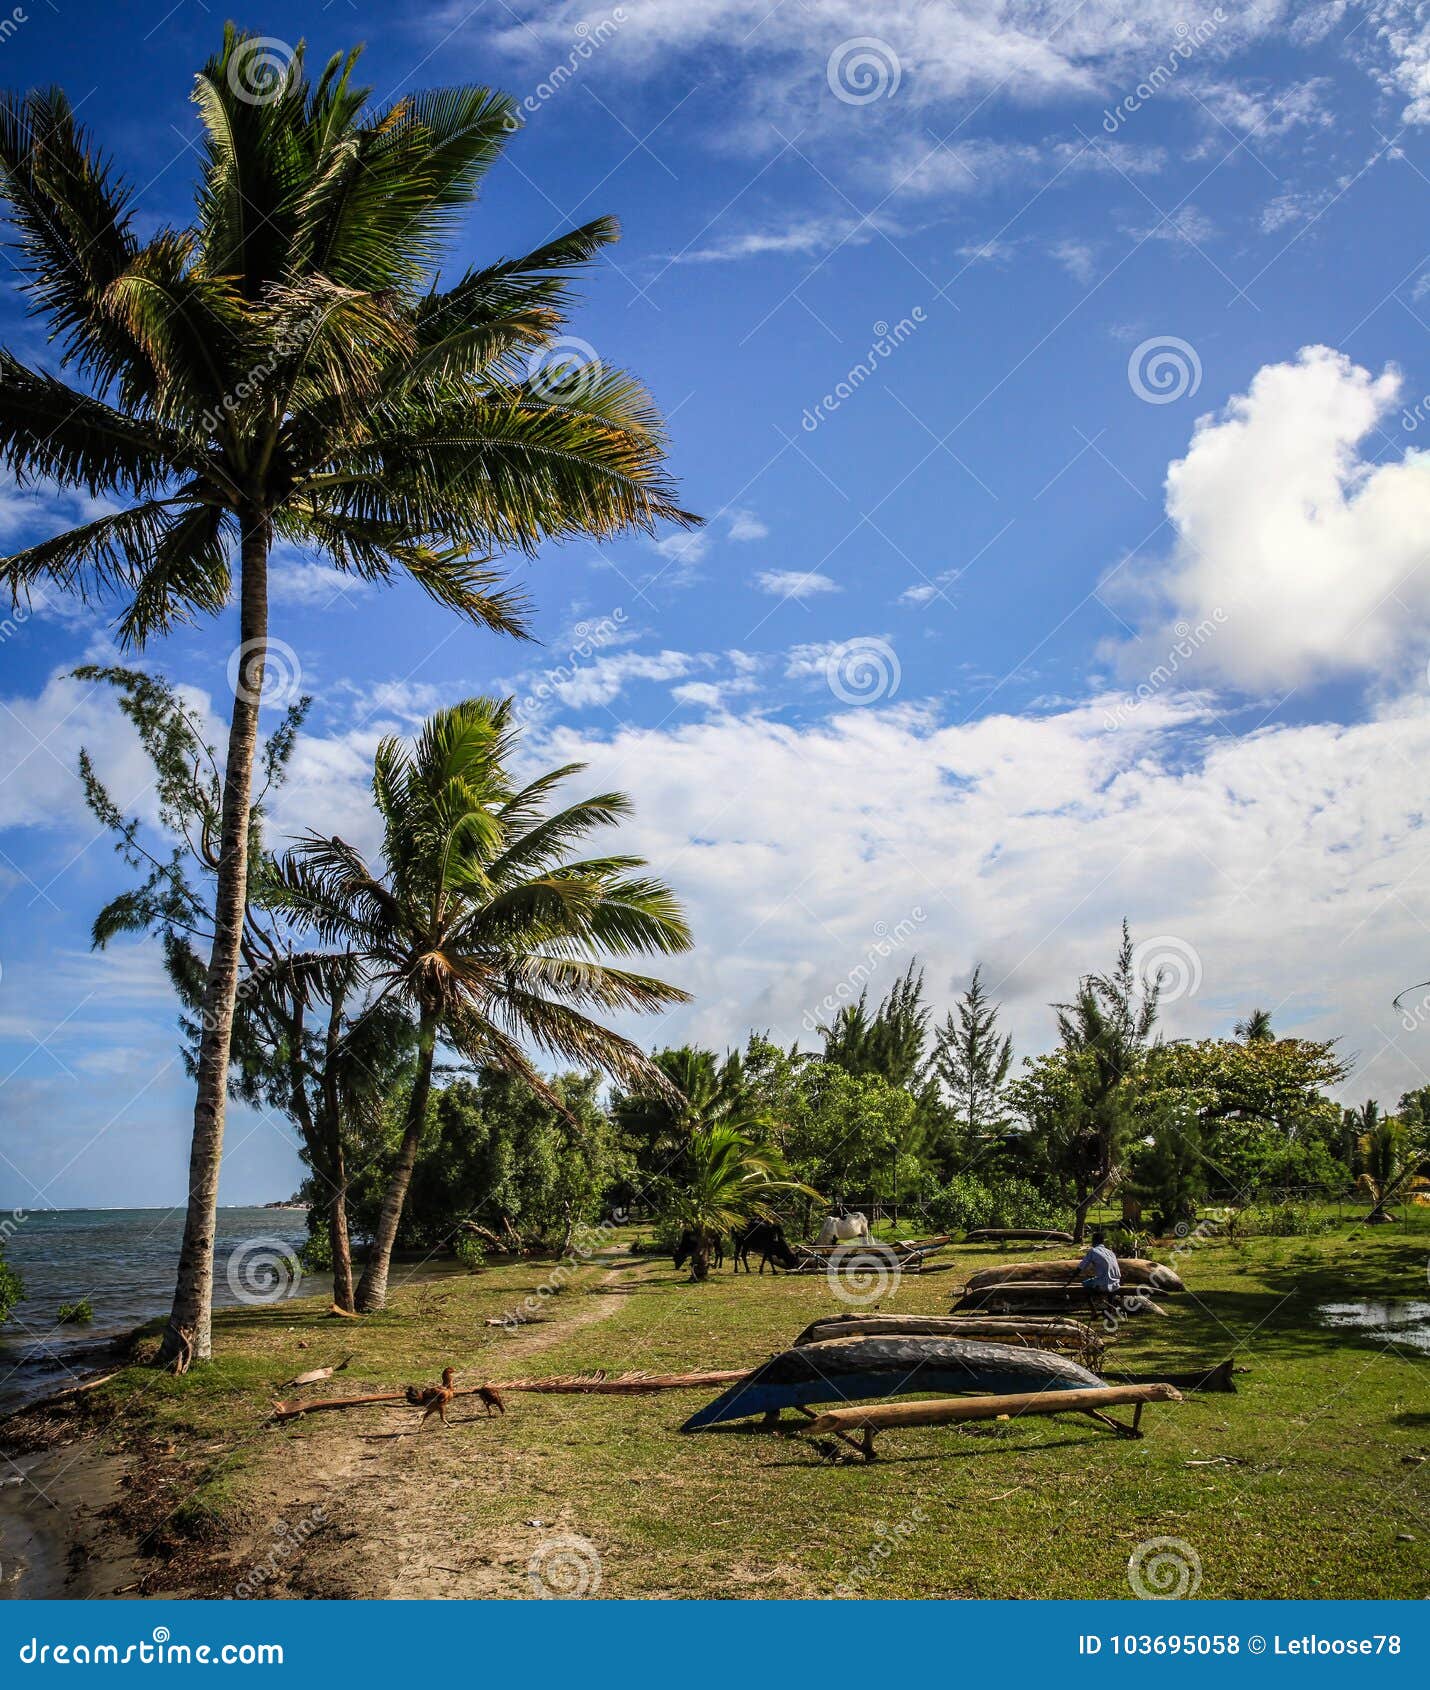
1135,1271
598,1384
40,1404
944,1411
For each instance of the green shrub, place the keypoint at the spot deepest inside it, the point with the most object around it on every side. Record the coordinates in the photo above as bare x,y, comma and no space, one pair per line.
469,1252
316,1255
967,1202
79,1313
12,1287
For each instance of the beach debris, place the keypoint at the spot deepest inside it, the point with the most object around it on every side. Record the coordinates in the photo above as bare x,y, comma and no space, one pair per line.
347,1314
315,1374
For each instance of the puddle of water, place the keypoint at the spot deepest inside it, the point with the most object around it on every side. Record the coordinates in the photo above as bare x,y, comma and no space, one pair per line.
1399,1320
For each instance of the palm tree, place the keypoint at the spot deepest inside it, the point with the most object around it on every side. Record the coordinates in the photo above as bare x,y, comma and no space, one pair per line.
1391,1159
728,1180
288,367
1256,1028
481,922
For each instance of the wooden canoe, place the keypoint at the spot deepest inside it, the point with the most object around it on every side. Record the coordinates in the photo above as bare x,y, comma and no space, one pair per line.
1135,1271
1012,1234
1023,1296
1040,1333
848,1369
852,1256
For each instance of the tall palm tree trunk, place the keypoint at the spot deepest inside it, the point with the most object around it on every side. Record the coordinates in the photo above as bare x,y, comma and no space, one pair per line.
189,1334
372,1288
336,1167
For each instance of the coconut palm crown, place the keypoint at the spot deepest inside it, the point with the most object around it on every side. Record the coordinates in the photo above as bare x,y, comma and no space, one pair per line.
291,367
483,921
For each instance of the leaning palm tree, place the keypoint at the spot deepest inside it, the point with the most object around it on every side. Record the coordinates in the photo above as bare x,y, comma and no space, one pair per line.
729,1178
483,924
289,368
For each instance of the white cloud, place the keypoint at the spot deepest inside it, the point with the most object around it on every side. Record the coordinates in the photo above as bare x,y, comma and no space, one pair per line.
604,678
1279,856
1313,559
803,238
794,584
1186,226
745,525
1077,258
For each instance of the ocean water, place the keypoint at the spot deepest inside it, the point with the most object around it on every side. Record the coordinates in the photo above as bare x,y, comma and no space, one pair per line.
123,1260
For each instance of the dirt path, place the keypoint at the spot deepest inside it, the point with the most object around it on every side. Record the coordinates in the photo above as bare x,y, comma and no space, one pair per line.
374,1509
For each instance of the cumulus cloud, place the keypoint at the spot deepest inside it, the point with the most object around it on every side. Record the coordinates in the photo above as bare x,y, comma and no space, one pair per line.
1279,857
1310,558
794,583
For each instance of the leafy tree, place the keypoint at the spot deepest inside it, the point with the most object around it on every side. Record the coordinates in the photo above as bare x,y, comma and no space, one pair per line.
481,922
288,368
851,1134
726,1181
1168,1169
889,1041
1263,1114
972,1062
496,1152
308,1040
1080,1102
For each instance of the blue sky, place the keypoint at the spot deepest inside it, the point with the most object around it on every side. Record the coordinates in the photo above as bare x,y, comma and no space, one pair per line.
1053,380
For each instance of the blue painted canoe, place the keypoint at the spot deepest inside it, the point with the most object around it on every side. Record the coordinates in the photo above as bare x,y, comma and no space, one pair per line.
851,1369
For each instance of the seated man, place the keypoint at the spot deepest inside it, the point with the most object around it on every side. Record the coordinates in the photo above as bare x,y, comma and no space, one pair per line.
1100,1270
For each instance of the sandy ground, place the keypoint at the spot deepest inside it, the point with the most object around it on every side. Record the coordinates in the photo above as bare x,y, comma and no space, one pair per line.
338,1514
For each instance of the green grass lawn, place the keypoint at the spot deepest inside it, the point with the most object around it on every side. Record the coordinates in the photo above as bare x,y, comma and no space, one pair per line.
1310,1481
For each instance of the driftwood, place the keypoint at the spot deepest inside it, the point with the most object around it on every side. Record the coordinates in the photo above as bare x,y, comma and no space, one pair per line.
1028,1297
1009,1234
315,1374
944,1411
1135,1271
39,1404
347,1314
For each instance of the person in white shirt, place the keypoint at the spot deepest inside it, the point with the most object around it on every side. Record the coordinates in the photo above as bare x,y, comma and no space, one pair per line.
1100,1269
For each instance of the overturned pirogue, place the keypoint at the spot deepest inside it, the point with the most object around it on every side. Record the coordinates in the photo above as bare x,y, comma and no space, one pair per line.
1135,1271
847,1369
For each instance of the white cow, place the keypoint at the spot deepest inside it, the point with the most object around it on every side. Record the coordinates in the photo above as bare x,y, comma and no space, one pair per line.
837,1229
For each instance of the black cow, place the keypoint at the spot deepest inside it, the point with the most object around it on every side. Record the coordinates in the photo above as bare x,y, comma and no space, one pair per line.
768,1237
685,1249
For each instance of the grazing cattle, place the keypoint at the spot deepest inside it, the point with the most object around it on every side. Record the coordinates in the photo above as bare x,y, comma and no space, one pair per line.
768,1237
837,1229
685,1248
